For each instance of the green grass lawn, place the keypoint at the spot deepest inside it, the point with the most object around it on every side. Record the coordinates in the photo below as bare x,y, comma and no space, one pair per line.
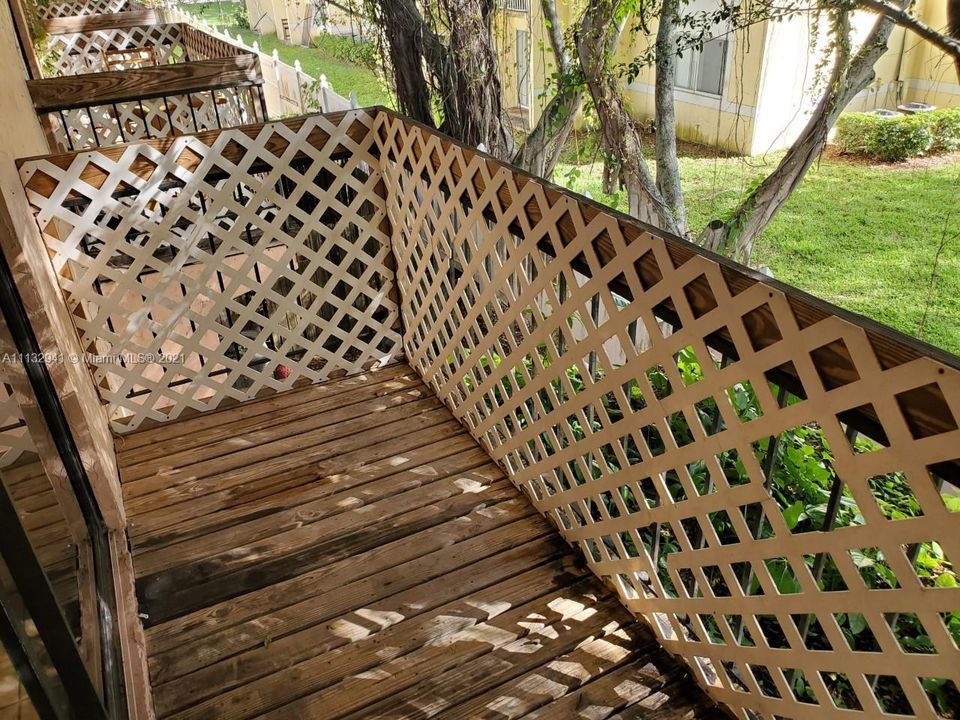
863,237
322,59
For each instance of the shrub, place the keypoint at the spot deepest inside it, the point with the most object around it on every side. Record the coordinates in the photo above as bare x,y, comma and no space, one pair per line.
240,18
893,139
946,130
898,138
855,132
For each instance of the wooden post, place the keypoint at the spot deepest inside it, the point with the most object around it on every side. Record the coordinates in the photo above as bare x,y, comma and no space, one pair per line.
26,253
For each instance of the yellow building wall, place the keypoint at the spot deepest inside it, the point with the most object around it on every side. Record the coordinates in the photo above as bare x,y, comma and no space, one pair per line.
929,75
772,78
261,14
539,61
726,120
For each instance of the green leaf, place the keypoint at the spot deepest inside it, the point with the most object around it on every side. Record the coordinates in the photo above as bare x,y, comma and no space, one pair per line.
857,623
791,515
947,579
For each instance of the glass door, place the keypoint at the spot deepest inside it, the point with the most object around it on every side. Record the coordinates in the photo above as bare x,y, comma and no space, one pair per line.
57,610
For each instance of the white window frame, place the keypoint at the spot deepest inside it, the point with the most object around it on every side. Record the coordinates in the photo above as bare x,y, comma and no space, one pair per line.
524,71
695,58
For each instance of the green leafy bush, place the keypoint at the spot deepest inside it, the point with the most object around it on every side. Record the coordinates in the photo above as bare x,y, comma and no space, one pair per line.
946,130
855,132
893,139
898,138
240,17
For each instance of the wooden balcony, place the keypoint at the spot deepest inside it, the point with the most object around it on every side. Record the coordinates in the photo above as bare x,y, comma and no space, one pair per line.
348,550
403,432
126,76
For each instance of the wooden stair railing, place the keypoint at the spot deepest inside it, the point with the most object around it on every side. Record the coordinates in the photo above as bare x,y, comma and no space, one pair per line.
665,408
101,109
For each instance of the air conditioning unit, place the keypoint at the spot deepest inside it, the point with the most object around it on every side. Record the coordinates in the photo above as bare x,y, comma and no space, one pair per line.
913,108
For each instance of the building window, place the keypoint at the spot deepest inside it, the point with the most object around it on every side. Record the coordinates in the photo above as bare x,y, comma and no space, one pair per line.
523,68
703,70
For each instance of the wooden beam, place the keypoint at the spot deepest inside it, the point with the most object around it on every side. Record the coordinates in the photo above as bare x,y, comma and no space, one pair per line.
22,28
32,268
108,21
104,88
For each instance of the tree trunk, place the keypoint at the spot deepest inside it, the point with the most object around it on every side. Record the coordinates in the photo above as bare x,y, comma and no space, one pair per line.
454,72
472,94
668,169
539,152
736,236
403,32
620,136
953,22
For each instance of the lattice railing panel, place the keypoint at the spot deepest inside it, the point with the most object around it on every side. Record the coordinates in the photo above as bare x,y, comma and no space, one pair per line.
83,52
665,410
203,46
221,266
86,128
83,7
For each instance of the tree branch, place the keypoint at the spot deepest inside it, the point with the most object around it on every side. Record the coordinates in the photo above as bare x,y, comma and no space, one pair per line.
668,169
540,150
903,18
621,139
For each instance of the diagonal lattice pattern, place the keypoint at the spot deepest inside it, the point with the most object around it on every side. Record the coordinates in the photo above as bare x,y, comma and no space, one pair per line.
769,481
82,7
103,125
83,52
221,266
15,440
203,46
662,408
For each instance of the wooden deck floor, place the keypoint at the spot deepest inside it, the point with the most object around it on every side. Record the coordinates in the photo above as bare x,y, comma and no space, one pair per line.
347,550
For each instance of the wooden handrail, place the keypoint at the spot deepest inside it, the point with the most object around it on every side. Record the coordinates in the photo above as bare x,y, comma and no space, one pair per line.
106,21
76,91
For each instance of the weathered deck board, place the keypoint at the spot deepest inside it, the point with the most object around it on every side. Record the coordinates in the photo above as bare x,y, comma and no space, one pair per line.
46,526
14,702
349,551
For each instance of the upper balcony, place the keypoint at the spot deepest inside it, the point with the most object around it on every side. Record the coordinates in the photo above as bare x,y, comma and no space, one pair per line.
119,77
324,345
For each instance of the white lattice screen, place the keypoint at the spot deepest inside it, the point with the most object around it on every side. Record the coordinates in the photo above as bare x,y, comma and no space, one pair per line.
81,53
14,437
262,259
84,128
649,400
654,402
84,7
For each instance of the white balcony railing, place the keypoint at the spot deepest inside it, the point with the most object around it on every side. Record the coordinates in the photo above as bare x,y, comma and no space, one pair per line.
517,5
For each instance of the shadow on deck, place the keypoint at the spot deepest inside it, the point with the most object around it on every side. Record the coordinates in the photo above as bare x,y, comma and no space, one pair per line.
348,550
